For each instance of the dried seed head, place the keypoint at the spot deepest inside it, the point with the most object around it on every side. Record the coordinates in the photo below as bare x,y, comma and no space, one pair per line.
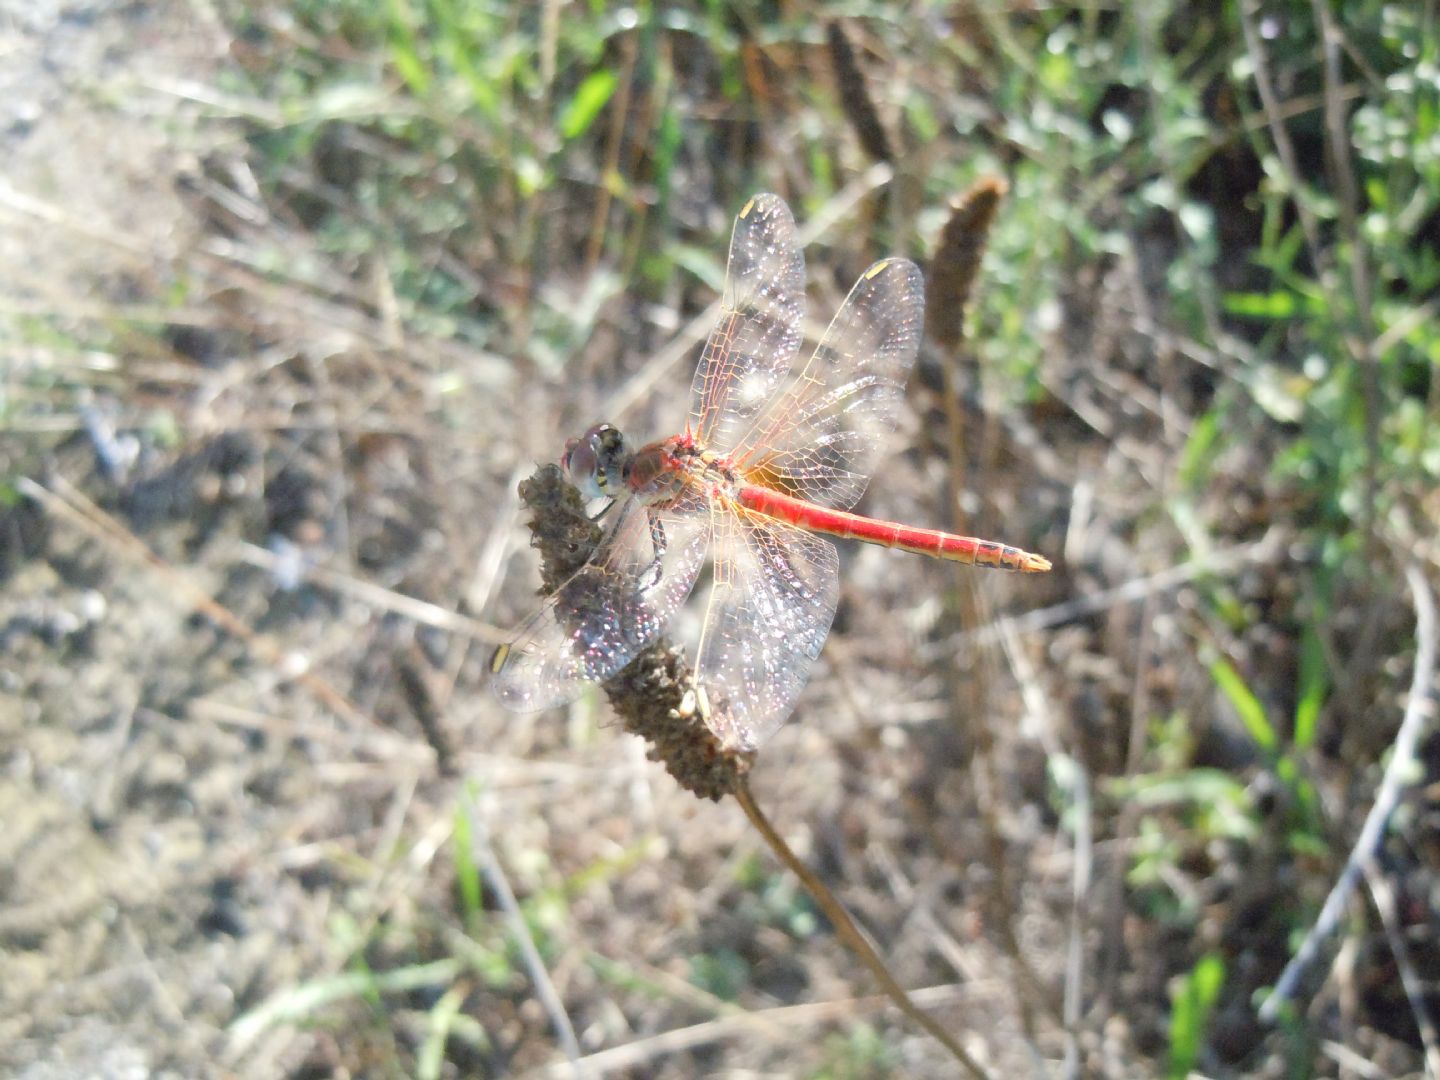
655,695
855,98
956,261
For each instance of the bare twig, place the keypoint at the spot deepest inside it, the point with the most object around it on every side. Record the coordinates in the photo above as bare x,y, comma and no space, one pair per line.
1345,1057
1347,188
1402,761
1284,147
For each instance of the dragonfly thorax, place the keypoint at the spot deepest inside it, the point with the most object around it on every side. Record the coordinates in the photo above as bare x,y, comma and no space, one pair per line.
596,462
659,471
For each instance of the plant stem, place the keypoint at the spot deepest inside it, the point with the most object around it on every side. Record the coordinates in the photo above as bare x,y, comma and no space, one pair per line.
850,933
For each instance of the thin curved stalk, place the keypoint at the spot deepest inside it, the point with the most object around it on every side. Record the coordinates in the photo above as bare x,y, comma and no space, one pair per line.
850,933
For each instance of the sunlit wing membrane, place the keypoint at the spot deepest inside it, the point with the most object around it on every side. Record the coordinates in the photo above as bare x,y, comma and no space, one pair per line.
754,342
770,608
821,438
614,606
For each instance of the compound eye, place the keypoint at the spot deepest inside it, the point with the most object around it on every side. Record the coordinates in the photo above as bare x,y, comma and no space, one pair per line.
583,465
593,461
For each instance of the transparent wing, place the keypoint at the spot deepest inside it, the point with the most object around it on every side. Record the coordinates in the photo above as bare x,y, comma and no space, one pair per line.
770,608
821,438
753,345
612,607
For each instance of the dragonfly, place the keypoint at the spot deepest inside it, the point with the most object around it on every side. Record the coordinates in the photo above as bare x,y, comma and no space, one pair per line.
772,457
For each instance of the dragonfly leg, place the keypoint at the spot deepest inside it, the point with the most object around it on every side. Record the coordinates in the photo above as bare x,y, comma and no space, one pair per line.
603,510
658,542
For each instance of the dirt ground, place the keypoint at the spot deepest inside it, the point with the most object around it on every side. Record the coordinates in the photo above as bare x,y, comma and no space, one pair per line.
262,540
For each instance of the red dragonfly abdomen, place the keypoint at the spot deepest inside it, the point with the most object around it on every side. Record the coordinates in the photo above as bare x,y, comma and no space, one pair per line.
941,545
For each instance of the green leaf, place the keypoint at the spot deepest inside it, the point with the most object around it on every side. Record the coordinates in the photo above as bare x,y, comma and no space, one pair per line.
723,973
404,51
1313,689
1194,785
1198,457
467,874
299,1003
530,175
1247,705
590,97
1190,1013
668,139
700,262
1256,305
430,1061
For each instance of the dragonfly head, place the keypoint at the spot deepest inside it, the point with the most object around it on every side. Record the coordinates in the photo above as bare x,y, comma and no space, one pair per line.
595,462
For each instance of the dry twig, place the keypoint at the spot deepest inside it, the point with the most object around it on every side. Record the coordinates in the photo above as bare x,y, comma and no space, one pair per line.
1418,710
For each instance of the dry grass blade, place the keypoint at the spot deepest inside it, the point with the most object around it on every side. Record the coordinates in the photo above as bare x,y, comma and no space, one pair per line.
420,612
855,97
619,110
644,1052
956,261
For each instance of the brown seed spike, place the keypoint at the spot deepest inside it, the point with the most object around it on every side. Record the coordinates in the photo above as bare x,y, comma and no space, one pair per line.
957,261
560,529
650,693
855,97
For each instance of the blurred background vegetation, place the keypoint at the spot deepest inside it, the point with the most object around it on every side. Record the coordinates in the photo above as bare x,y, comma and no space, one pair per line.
297,291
